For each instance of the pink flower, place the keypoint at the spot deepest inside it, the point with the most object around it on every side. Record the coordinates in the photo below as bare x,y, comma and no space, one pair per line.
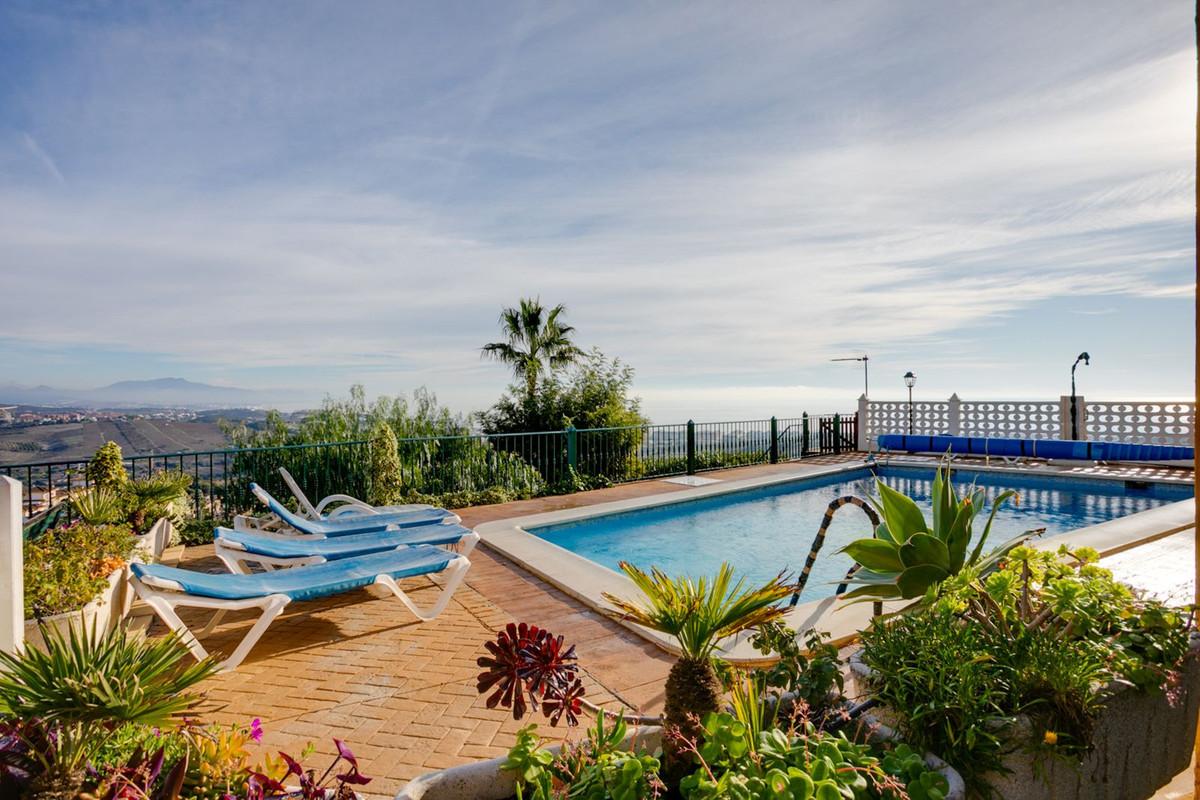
256,731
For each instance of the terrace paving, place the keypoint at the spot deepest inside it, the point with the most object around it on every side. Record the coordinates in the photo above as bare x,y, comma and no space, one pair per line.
402,693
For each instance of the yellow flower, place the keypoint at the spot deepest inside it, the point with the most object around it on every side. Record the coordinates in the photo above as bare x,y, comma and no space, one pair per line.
1050,738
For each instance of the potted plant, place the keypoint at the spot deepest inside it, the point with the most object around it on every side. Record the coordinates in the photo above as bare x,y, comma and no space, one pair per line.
1044,679
76,573
75,578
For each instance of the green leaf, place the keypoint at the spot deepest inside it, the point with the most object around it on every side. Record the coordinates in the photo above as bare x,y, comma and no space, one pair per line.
884,591
959,536
875,554
921,548
914,581
902,515
1001,499
939,504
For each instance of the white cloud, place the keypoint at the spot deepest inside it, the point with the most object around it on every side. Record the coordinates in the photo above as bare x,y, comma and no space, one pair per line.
721,198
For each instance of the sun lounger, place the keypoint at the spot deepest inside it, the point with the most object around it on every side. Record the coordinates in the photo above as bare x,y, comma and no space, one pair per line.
348,504
341,525
167,588
239,549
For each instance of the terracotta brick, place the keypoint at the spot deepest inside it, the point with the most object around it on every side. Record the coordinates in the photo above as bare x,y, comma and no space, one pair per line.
401,692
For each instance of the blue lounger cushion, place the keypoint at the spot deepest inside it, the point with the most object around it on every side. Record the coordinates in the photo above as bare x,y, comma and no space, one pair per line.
337,547
355,523
305,583
1064,449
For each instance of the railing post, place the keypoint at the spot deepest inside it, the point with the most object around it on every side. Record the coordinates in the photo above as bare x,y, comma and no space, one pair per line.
837,434
12,567
955,415
804,450
572,447
691,447
864,433
774,440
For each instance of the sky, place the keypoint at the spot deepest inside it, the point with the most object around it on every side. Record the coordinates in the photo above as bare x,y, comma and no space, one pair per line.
297,197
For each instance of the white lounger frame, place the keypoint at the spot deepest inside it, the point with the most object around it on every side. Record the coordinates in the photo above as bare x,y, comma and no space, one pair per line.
238,559
352,505
164,596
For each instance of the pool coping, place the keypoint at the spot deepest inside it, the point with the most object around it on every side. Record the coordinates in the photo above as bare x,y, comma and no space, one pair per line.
587,581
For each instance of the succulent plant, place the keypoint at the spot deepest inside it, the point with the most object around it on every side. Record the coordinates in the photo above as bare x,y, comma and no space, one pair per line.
907,555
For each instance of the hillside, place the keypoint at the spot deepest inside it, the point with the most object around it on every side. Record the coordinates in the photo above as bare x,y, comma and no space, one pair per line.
78,440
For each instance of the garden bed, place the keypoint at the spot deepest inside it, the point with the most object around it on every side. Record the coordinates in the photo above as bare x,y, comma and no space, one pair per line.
1142,740
112,604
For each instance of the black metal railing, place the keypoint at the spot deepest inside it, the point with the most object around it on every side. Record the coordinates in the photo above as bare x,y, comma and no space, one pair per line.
524,464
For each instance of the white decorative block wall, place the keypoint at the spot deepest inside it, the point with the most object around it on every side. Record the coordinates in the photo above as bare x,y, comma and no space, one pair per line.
1110,421
1019,419
1141,423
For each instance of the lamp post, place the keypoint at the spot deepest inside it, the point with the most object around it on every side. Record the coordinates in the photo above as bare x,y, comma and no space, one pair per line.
1087,360
910,380
864,358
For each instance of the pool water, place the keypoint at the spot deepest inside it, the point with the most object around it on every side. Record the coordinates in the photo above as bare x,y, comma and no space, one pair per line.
765,530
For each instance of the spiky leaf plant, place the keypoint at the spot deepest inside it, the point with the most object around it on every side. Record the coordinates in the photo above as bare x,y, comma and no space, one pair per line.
84,677
907,555
83,687
698,613
99,505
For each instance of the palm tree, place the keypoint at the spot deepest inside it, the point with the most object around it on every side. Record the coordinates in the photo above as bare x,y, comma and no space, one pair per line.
698,614
536,341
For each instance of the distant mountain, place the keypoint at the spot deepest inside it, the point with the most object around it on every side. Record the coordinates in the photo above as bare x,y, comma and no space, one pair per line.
159,392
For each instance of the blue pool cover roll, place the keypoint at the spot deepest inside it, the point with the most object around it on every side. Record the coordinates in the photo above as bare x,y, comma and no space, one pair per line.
1034,448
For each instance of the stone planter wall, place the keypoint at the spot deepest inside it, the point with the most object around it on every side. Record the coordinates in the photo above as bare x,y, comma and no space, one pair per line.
1142,741
102,613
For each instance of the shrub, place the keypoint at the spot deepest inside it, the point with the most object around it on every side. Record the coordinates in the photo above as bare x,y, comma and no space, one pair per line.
68,566
106,470
198,530
812,674
1044,637
386,479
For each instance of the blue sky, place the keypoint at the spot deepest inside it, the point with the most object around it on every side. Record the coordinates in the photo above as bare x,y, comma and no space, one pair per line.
724,195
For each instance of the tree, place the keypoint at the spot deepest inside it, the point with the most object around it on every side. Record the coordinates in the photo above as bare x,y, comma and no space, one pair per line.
593,394
536,342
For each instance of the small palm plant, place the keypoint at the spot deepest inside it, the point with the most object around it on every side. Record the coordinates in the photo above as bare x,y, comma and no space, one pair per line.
908,556
536,340
698,614
83,687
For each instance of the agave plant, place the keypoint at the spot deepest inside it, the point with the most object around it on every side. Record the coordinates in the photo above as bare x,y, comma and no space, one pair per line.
99,505
75,694
907,556
698,614
83,677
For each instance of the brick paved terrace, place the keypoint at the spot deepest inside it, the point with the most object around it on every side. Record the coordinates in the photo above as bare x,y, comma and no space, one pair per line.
402,693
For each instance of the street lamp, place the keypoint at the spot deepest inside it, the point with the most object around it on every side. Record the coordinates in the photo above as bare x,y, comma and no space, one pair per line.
1087,360
910,380
864,359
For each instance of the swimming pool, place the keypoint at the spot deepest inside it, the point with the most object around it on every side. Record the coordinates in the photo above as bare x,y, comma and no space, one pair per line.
763,530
